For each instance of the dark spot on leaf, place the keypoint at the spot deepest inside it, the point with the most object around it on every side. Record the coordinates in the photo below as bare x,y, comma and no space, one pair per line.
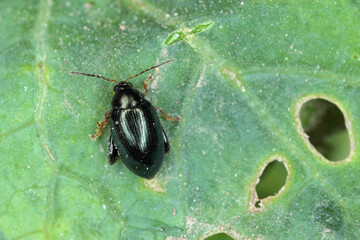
40,65
329,215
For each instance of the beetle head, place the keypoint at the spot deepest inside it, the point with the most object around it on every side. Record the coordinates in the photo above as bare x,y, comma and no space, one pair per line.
122,85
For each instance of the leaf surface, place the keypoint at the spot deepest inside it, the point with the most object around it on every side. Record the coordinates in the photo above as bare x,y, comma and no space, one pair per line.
237,83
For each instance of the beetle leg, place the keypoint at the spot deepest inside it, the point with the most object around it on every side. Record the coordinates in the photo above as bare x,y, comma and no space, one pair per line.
101,125
113,153
146,83
166,142
177,119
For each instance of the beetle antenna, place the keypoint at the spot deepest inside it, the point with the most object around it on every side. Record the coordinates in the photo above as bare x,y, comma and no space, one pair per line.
94,75
150,69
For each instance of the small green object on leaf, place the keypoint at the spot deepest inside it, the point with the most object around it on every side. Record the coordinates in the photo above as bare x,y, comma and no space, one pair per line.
200,27
175,37
179,35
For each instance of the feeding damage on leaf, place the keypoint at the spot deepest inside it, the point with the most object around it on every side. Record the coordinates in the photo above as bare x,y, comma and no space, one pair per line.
323,124
266,187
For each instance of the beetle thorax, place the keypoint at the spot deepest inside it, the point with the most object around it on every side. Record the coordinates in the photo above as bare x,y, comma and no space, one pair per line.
126,98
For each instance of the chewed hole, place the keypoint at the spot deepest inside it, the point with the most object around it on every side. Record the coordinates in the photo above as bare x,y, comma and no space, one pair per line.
272,179
324,124
270,182
219,236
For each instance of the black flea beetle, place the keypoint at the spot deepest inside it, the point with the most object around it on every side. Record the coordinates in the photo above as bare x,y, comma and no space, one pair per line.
137,136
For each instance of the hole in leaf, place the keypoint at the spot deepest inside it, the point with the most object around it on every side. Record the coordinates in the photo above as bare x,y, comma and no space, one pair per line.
219,236
272,179
324,124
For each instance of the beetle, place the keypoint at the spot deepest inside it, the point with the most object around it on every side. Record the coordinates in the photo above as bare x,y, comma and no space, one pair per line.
137,136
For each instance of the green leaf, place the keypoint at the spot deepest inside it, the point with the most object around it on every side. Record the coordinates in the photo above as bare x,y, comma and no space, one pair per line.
238,86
